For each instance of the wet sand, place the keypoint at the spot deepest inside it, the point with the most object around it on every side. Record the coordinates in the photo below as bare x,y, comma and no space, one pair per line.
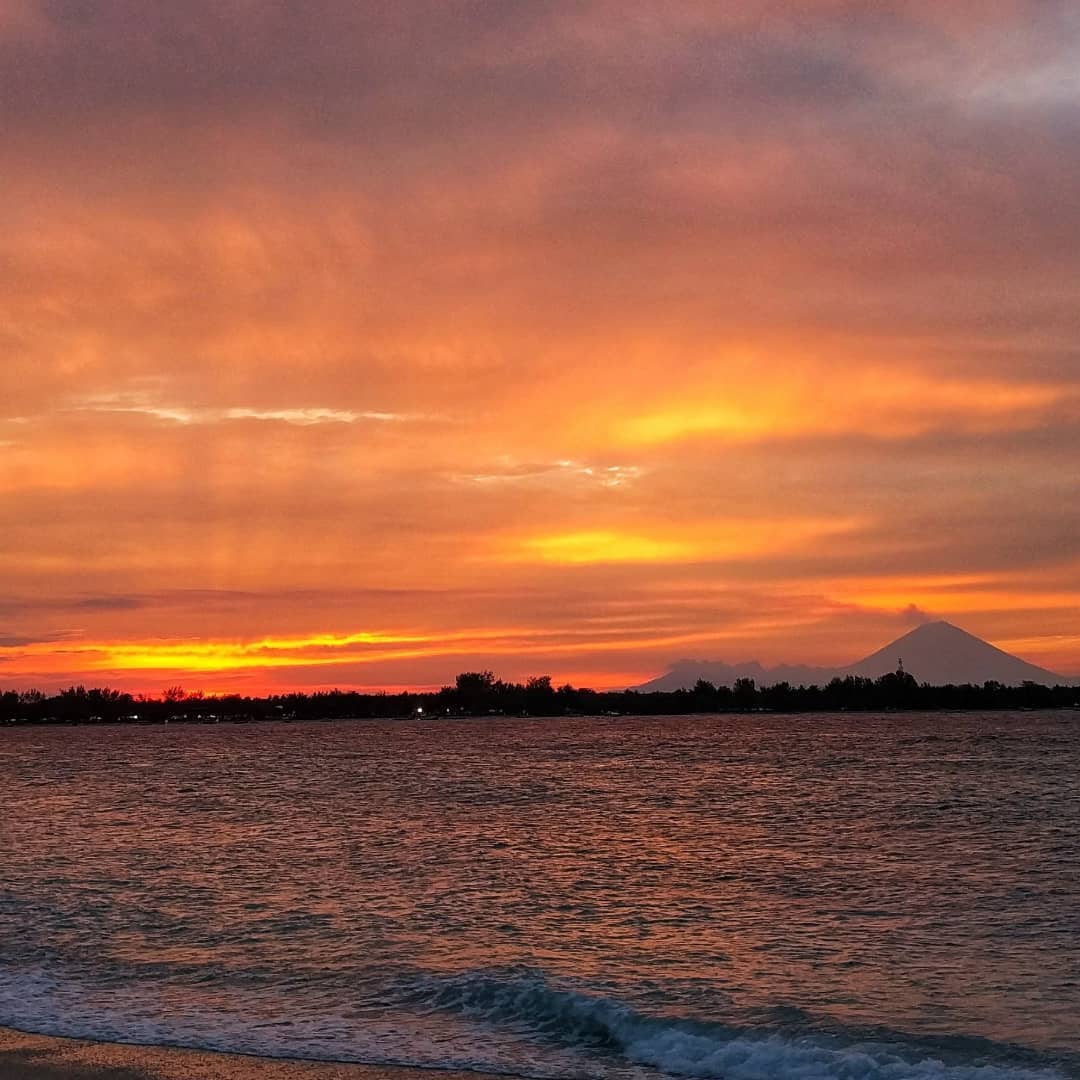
42,1057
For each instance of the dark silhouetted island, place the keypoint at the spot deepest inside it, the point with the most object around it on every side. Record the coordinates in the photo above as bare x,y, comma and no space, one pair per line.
480,693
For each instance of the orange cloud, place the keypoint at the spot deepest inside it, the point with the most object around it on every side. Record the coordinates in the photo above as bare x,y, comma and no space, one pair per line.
367,310
882,403
689,542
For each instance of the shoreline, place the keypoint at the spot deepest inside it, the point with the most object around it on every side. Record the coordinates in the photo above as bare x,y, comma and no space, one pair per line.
26,1056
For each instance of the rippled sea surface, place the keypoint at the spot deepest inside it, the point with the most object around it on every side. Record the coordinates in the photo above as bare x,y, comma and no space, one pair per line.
737,897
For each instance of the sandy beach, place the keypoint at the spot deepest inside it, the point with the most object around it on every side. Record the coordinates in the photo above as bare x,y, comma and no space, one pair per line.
42,1057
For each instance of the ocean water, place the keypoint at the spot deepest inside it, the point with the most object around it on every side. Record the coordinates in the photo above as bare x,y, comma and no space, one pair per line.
717,897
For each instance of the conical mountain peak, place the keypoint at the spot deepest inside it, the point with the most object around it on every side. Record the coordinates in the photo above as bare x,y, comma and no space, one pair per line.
939,652
935,652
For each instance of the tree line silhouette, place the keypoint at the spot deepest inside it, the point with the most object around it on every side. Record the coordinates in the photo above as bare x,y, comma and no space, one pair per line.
480,693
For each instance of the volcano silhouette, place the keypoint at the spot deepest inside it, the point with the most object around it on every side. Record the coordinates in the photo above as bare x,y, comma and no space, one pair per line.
935,653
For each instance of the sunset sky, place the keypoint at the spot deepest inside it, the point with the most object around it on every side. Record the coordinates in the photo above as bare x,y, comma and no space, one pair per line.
362,343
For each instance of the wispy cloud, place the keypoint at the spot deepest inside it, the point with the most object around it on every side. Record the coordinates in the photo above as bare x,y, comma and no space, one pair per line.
142,404
507,472
306,417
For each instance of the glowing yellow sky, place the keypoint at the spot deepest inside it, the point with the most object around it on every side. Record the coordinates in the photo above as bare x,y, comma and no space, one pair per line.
361,344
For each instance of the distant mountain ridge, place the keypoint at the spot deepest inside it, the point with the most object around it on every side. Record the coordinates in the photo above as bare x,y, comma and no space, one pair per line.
937,653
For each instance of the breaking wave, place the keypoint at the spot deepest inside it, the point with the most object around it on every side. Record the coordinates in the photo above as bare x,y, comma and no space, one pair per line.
700,1049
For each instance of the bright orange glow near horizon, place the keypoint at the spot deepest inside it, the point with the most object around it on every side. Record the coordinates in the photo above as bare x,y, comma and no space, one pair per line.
364,344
